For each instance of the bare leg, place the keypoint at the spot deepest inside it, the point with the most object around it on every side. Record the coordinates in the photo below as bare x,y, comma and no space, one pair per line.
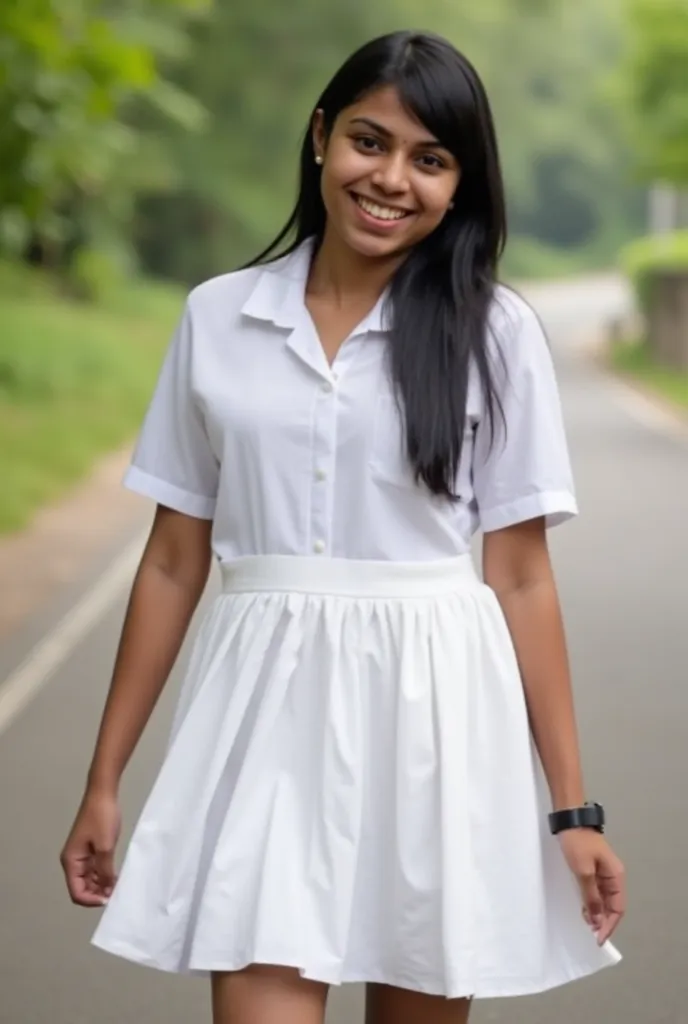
267,995
388,1005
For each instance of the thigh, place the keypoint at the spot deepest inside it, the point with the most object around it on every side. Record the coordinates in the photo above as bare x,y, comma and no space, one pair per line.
263,994
388,1005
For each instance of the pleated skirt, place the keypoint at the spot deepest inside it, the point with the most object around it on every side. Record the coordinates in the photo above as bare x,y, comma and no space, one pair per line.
351,789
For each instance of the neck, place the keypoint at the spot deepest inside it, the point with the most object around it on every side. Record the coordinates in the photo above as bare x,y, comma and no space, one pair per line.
340,273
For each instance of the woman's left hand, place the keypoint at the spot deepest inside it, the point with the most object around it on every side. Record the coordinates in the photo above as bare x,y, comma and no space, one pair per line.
600,875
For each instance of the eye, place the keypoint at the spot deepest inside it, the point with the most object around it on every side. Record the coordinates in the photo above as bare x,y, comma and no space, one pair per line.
368,143
430,161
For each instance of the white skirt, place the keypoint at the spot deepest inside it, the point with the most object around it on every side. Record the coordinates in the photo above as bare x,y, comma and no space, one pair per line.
351,789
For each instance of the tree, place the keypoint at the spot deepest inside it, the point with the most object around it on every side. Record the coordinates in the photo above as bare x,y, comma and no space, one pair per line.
657,88
74,75
258,66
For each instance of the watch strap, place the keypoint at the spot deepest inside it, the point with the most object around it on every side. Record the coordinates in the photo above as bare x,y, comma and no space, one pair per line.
589,816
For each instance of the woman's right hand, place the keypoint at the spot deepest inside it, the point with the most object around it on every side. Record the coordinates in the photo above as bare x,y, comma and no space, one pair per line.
88,855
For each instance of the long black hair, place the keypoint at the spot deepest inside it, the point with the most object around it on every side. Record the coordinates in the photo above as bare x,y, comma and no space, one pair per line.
441,294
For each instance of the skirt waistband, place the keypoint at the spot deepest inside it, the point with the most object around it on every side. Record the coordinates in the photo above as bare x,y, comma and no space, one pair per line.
347,577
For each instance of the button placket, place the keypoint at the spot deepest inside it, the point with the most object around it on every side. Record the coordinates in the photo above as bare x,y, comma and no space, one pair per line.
324,437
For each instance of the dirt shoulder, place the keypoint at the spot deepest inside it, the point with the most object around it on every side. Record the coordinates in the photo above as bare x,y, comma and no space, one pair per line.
63,538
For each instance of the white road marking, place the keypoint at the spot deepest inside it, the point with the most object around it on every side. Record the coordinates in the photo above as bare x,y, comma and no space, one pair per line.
647,412
19,689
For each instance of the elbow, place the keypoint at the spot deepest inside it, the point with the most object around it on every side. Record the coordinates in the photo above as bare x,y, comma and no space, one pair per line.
517,559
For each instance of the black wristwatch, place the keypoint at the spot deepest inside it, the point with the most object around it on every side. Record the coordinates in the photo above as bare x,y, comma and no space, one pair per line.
589,816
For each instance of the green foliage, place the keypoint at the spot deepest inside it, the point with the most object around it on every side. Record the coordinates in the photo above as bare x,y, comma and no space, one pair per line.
657,88
527,258
74,381
259,67
643,258
108,154
72,73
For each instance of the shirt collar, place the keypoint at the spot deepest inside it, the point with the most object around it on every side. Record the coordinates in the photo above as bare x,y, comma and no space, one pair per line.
278,295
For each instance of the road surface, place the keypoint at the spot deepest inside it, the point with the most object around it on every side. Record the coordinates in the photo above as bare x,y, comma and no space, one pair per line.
623,570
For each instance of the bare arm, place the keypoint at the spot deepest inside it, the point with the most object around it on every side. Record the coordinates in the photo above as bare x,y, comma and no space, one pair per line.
167,588
516,565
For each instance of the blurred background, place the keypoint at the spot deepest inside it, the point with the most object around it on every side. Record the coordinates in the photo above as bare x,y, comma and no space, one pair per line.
148,144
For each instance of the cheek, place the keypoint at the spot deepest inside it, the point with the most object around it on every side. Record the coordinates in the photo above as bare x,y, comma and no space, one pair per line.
344,167
332,194
338,178
436,196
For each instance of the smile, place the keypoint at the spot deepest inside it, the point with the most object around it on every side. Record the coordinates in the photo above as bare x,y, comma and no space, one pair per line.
387,213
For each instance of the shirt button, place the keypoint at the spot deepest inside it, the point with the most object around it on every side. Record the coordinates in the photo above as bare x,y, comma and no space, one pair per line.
319,547
320,475
327,388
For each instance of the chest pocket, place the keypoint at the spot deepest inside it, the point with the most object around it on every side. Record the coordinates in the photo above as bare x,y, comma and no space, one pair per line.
389,460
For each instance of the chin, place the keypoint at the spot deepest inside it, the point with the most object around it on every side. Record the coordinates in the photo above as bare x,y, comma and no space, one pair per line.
372,246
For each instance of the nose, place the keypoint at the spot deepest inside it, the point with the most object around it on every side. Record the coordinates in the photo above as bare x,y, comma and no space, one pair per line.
391,174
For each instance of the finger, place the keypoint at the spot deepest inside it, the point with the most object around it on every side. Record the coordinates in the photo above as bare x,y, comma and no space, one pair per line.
105,871
609,926
81,891
613,892
592,899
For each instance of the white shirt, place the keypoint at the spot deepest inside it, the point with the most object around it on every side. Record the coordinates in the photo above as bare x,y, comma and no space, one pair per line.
250,427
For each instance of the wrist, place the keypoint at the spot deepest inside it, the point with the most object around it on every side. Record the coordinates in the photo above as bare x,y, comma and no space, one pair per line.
566,797
101,784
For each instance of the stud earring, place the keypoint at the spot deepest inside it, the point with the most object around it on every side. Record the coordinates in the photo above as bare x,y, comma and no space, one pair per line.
318,159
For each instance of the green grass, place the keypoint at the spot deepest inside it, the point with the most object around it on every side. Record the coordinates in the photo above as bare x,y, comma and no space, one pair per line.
635,360
528,259
75,380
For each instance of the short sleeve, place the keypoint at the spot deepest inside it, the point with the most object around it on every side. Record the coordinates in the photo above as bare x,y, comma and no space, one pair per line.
524,471
173,462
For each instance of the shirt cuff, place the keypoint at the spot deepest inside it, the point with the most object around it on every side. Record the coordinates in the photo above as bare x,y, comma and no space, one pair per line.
556,506
169,495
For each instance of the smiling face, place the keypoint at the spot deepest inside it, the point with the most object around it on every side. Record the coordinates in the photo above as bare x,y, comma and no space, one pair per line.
386,182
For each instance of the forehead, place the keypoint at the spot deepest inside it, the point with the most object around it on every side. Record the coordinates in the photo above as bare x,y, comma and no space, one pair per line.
384,107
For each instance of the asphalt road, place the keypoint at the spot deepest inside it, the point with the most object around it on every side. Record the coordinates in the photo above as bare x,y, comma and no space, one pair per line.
623,571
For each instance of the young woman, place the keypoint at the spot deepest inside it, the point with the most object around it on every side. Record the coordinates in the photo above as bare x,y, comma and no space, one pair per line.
372,748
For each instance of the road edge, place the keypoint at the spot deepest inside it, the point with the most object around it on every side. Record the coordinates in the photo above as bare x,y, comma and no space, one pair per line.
641,402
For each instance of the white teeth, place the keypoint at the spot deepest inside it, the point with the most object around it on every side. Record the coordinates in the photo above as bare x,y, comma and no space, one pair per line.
381,212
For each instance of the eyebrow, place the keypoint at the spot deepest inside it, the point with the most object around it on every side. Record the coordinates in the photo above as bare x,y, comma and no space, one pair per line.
386,133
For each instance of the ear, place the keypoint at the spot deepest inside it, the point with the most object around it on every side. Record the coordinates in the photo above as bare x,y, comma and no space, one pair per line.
319,136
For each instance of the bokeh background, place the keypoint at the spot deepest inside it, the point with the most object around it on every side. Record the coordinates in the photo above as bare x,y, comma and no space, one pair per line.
148,144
